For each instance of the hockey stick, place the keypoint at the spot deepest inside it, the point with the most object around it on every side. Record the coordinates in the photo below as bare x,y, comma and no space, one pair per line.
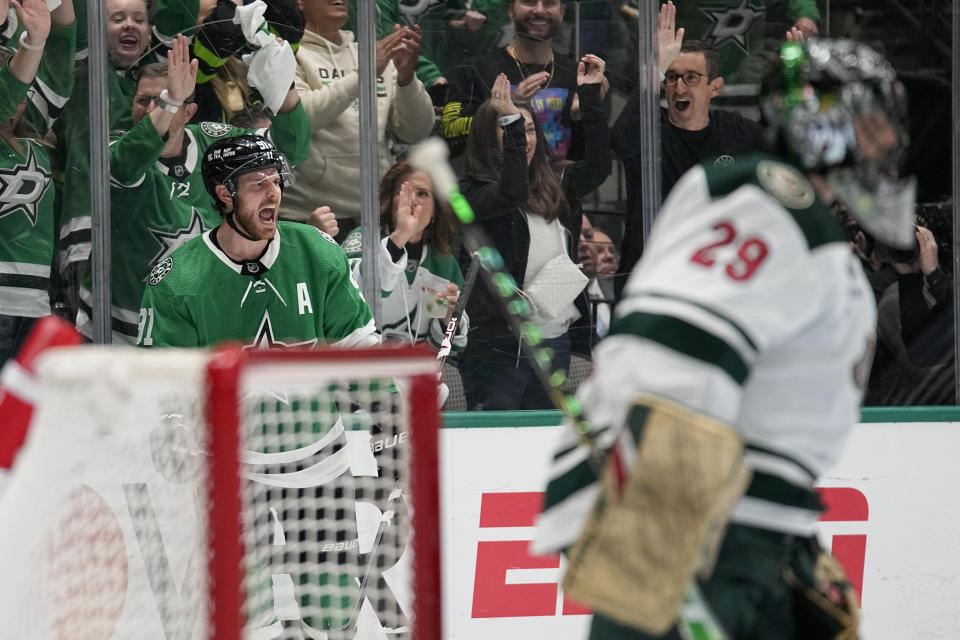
386,520
694,619
431,158
455,314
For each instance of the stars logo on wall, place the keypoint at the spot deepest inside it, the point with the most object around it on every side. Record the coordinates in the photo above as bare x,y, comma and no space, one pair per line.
732,23
23,186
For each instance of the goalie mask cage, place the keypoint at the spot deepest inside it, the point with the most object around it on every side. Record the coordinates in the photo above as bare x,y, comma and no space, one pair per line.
193,495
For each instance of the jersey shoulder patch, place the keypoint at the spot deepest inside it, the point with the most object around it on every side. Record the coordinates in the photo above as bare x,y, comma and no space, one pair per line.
216,129
353,243
785,184
160,271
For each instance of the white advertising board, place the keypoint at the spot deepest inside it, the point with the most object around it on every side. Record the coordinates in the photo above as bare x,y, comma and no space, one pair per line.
891,521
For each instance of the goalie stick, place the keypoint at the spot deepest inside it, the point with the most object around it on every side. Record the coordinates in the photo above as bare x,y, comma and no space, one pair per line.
431,158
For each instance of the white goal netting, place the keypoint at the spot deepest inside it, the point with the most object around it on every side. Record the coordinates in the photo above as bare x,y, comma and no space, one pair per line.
275,497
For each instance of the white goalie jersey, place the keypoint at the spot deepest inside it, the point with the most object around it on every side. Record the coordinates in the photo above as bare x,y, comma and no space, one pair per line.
748,307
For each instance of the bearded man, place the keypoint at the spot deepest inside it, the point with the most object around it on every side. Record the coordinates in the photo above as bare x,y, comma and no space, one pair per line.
536,73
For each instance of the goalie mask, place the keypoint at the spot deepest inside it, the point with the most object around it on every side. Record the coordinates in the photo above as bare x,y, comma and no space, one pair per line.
836,108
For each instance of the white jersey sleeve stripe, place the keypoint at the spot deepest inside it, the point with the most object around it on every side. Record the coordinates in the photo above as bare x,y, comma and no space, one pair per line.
695,314
79,252
775,517
80,223
679,335
25,269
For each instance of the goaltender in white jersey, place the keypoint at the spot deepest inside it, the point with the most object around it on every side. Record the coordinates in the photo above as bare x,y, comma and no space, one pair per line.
748,315
750,308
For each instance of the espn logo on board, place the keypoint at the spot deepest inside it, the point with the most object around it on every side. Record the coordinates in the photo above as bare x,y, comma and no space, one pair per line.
509,582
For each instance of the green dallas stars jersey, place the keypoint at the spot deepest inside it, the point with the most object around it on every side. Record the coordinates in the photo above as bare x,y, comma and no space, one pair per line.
158,204
26,196
72,160
301,293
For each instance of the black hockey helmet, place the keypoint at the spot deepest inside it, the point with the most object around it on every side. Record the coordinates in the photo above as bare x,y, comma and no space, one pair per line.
228,159
829,101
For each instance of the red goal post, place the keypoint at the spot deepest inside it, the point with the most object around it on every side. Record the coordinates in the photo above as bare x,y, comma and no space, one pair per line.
227,494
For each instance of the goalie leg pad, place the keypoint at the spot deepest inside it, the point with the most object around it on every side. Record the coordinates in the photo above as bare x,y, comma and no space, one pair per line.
642,545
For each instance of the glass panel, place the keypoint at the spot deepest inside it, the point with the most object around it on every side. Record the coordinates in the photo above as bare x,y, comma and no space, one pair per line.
33,118
914,363
158,199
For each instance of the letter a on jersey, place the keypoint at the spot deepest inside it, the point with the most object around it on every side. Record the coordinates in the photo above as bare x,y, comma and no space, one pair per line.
303,298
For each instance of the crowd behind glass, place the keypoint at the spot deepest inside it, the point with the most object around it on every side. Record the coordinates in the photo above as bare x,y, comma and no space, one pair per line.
538,103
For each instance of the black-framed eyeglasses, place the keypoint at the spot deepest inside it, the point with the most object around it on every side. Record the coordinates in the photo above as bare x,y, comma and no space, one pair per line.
143,100
690,78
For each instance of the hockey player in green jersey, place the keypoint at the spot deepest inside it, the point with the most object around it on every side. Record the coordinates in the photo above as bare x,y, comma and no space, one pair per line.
748,325
254,279
268,284
158,199
34,82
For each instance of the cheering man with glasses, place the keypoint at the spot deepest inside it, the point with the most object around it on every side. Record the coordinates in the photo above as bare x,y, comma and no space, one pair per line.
690,132
690,82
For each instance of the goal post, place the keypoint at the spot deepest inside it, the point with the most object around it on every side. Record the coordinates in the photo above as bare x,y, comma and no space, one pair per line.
226,494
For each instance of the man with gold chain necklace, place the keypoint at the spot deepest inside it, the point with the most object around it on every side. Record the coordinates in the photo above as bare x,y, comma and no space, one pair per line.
535,71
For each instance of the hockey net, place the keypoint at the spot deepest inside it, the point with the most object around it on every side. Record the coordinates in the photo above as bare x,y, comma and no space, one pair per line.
195,495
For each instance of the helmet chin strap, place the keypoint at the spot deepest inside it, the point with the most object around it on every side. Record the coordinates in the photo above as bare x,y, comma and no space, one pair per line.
229,217
233,225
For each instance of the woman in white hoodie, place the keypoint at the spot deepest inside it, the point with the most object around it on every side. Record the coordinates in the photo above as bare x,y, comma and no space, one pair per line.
328,84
